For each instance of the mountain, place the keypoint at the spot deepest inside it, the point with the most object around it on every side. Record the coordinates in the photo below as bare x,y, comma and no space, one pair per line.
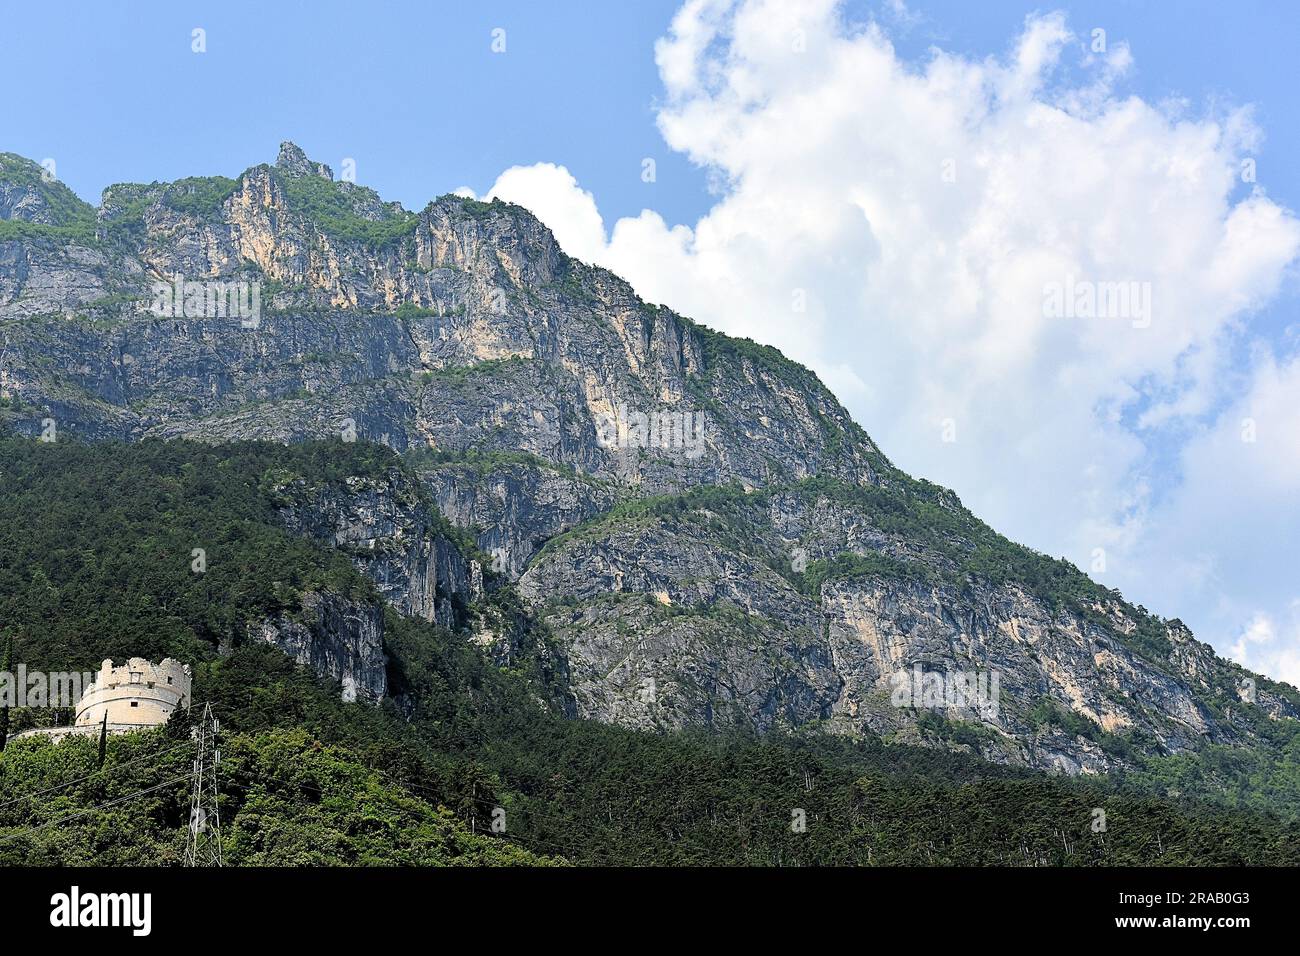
466,758
680,529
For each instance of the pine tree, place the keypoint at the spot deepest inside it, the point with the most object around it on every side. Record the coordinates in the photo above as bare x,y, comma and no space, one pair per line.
6,667
103,740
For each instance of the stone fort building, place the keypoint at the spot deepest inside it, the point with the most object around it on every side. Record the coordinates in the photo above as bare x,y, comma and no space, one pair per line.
135,696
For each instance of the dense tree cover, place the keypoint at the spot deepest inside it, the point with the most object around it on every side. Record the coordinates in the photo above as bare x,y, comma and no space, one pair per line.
334,207
73,219
97,547
287,799
95,560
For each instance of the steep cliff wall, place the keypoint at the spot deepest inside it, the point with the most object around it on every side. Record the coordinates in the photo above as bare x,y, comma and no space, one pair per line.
337,638
707,535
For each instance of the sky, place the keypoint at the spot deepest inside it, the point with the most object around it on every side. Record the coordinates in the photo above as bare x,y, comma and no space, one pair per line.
899,195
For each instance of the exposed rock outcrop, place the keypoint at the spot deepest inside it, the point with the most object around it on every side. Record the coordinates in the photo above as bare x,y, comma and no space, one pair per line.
337,638
392,534
696,521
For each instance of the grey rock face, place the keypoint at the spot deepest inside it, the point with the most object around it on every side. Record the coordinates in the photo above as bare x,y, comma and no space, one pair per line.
335,637
30,193
295,162
466,328
25,204
673,617
697,522
391,534
516,505
878,628
638,662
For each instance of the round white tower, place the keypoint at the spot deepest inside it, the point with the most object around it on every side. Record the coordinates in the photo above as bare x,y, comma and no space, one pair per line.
138,694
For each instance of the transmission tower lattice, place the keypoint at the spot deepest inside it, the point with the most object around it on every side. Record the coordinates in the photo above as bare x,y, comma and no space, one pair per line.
203,842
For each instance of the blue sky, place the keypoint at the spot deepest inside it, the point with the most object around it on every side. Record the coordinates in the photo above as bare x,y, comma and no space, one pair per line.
1079,441
413,92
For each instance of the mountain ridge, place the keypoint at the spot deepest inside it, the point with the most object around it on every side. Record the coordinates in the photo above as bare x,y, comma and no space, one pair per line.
778,579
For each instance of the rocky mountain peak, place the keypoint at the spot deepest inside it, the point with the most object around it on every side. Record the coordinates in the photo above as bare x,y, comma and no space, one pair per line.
293,161
681,510
30,193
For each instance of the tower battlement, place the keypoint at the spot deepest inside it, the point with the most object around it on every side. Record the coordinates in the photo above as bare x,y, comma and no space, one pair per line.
136,694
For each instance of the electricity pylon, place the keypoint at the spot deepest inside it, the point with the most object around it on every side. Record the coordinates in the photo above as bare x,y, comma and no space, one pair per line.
203,843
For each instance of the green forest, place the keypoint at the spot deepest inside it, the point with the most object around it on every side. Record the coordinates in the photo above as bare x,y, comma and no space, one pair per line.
96,545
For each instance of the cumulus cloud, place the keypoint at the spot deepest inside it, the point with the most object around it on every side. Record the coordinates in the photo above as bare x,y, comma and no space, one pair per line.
555,197
1224,541
911,231
1265,646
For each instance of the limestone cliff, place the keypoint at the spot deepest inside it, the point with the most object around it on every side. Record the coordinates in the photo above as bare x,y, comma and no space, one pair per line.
337,638
695,521
393,534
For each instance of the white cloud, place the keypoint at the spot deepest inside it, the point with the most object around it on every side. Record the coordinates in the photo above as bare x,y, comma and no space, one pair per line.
923,209
1260,647
1224,542
555,197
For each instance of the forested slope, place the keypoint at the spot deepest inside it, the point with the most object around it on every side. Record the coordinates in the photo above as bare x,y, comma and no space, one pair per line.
95,561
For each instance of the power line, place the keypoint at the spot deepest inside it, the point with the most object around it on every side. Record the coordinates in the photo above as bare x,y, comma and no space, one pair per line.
103,806
203,775
116,766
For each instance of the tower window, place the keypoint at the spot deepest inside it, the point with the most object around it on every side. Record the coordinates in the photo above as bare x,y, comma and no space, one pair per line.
135,703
